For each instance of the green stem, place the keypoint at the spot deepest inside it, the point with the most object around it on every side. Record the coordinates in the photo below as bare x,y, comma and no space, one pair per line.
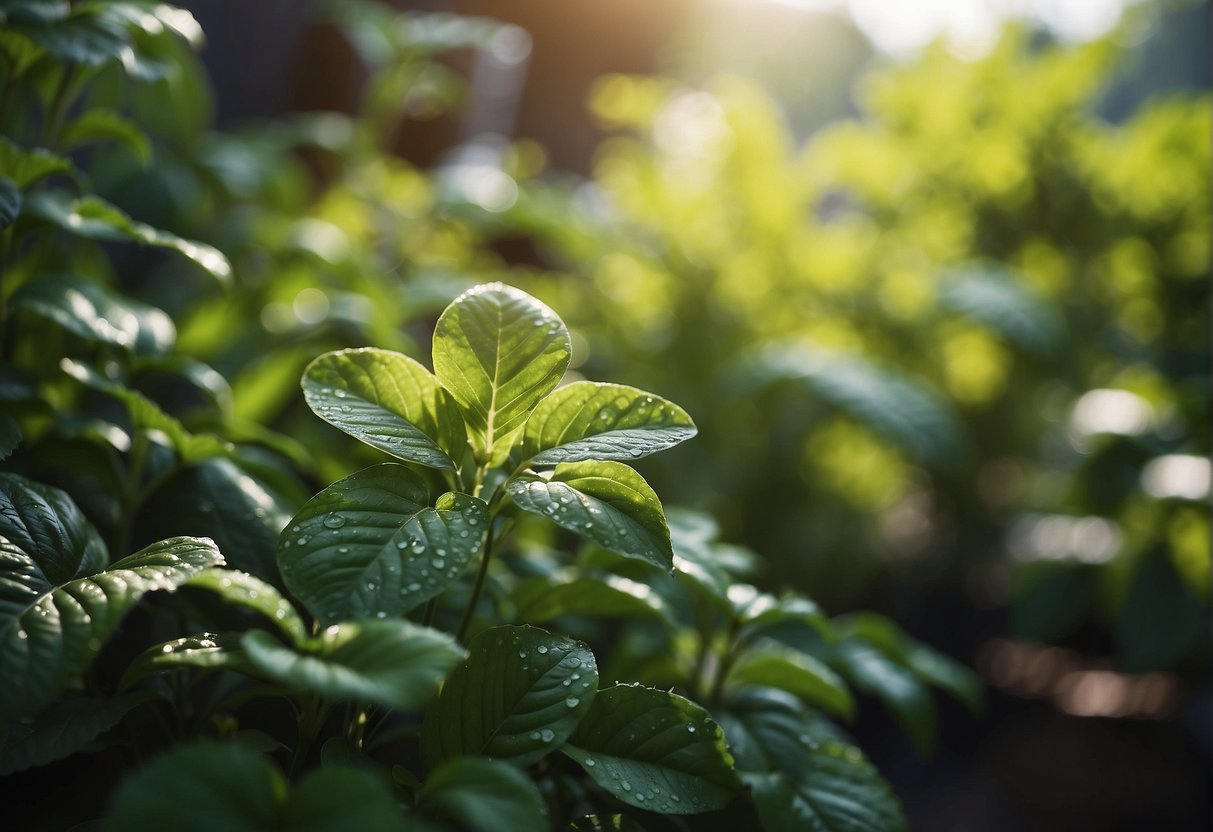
731,652
312,714
427,617
478,587
58,106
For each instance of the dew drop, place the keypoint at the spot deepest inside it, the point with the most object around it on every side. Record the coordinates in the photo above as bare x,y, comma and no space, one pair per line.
414,587
534,735
589,761
541,649
418,547
343,550
301,541
547,735
690,729
381,614
333,520
472,521
339,393
572,702
438,563
522,654
626,786
639,797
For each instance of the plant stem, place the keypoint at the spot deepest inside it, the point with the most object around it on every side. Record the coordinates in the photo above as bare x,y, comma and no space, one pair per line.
58,106
427,617
726,664
478,587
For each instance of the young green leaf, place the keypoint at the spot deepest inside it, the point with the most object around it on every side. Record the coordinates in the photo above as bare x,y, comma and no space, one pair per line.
589,420
654,750
876,673
519,696
607,502
396,664
61,730
51,628
795,672
25,167
388,401
480,795
368,547
498,351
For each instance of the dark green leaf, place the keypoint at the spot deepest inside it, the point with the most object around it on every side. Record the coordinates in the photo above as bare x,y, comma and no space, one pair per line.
543,598
215,498
44,525
51,629
795,672
203,787
396,664
607,502
770,730
499,351
519,696
255,594
96,219
147,415
388,401
61,730
10,435
873,672
839,792
205,651
10,202
654,750
93,312
1160,620
758,611
943,672
343,799
481,795
105,125
23,168
588,420
368,547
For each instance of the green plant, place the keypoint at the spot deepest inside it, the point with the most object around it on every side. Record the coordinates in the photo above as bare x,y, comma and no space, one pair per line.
435,568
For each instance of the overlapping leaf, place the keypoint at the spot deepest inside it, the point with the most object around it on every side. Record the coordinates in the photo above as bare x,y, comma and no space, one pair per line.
654,750
396,664
388,401
607,502
519,696
368,546
589,420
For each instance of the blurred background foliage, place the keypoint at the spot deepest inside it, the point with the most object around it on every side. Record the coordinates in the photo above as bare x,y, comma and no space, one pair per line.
943,321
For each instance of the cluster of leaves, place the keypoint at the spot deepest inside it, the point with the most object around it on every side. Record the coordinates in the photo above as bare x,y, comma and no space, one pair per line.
380,568
937,275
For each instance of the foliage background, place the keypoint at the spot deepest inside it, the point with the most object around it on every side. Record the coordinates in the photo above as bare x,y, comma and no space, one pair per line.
938,320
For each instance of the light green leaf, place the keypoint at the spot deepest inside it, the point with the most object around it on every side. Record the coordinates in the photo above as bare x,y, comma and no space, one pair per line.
52,627
388,401
367,546
481,795
905,412
519,696
604,595
10,202
96,219
498,351
247,591
396,664
93,312
106,125
61,730
589,420
795,672
208,786
205,651
25,167
654,750
607,502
